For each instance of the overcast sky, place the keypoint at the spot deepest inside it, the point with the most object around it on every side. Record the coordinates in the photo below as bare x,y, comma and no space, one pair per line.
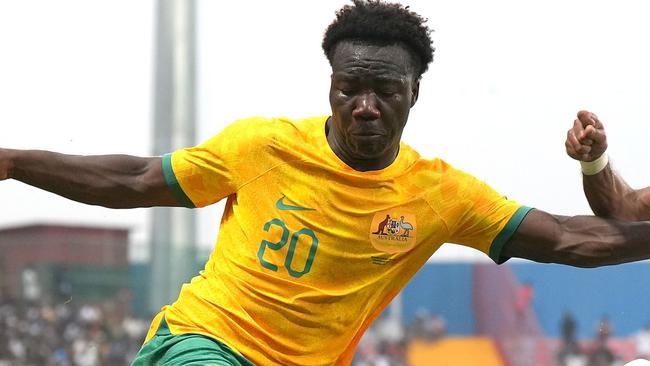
506,82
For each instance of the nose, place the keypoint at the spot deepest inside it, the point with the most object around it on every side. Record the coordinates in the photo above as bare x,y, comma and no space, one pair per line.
366,107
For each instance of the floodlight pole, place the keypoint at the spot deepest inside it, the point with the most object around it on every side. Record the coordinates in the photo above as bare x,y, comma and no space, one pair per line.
173,230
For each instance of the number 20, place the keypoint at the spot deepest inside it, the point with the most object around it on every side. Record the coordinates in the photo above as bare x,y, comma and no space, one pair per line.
292,248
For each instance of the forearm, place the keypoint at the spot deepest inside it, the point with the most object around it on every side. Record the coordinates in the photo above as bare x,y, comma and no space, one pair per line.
593,242
609,196
116,181
581,241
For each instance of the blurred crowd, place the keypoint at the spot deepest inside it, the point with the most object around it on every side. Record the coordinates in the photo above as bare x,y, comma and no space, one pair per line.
106,334
386,342
68,334
598,351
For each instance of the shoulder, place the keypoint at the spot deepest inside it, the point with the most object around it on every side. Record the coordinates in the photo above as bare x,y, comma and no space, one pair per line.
272,129
440,181
435,170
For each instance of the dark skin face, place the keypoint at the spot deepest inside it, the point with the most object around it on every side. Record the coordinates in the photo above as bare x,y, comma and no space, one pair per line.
372,91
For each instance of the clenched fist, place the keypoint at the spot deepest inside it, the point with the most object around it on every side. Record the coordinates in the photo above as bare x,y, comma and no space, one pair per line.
586,140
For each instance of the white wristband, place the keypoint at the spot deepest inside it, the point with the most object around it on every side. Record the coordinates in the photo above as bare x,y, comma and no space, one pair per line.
594,167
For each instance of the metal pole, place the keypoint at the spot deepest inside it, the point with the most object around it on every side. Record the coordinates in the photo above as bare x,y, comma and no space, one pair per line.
173,231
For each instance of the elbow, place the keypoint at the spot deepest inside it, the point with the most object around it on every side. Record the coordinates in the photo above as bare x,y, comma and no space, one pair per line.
576,260
630,207
618,214
141,187
581,262
584,255
128,193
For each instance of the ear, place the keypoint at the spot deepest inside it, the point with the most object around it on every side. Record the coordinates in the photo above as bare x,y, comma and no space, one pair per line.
415,92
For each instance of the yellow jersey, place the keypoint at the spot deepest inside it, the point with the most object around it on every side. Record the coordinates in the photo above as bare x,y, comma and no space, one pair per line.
310,251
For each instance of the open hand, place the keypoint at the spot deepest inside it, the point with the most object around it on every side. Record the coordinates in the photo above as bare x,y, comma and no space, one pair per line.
586,140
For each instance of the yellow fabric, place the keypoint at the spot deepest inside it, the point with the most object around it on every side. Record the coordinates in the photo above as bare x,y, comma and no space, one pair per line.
470,351
153,327
310,251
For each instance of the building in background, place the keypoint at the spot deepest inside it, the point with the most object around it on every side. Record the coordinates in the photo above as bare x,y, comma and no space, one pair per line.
53,262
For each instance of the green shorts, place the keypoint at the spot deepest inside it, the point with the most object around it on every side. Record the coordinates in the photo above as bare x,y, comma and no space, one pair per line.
165,349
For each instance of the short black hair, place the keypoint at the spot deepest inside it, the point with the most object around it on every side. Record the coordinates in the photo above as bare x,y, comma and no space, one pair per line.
379,22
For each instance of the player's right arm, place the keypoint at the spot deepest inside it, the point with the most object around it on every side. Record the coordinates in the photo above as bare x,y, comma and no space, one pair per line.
114,181
608,194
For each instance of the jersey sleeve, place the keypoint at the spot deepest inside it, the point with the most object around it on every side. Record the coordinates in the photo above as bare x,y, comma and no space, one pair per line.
479,217
204,174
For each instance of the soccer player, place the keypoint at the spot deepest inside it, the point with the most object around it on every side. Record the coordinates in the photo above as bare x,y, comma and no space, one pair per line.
327,217
607,193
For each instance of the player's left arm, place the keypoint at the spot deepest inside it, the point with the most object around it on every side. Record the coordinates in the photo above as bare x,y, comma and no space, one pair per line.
607,192
581,241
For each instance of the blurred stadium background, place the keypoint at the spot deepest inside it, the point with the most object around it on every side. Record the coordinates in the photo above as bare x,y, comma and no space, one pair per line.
79,284
71,296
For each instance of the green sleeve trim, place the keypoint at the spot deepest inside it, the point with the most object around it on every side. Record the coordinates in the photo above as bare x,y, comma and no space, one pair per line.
502,238
173,184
